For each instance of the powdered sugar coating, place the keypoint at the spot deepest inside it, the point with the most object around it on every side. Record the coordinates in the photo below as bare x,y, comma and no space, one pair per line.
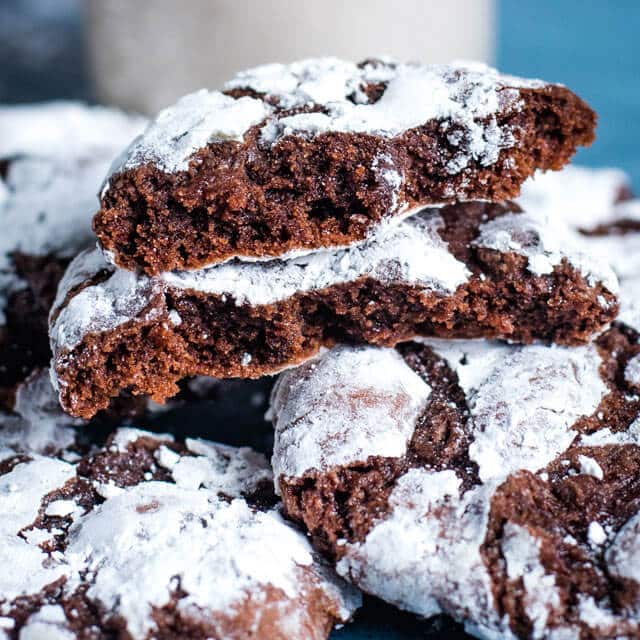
65,128
134,549
438,566
37,423
632,371
58,153
524,409
367,406
118,299
522,556
522,405
194,121
545,241
21,492
467,95
411,252
425,554
584,198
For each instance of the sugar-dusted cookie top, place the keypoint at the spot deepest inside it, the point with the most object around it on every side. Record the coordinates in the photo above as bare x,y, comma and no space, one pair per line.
319,152
148,538
501,489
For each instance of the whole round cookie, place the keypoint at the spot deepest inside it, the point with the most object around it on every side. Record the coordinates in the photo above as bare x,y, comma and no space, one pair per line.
146,538
495,483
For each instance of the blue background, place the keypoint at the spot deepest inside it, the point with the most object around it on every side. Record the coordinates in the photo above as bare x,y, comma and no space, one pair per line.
593,47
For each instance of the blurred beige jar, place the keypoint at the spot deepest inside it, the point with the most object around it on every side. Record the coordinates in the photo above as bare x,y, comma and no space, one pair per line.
147,53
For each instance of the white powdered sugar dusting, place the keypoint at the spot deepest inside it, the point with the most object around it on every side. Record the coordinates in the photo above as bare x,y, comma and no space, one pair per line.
194,121
603,437
590,467
583,198
523,400
622,251
37,423
411,252
64,128
630,301
437,566
469,96
48,622
136,548
120,298
21,492
472,360
344,407
231,471
58,154
623,556
523,403
632,371
140,539
545,241
521,552
523,412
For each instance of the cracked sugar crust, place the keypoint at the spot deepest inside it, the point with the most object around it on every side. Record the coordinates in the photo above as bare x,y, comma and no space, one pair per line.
506,497
150,538
469,270
319,153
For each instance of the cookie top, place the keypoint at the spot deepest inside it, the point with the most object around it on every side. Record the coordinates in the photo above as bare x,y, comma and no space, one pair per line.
146,537
584,198
415,94
504,492
412,253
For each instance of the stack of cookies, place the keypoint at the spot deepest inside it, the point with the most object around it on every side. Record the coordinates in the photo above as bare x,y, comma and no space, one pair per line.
457,424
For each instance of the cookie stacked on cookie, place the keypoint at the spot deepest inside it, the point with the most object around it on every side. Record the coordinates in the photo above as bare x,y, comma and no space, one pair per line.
457,426
320,203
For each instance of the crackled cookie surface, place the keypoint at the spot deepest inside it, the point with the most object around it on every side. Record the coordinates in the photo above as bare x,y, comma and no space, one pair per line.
293,158
498,484
147,538
470,270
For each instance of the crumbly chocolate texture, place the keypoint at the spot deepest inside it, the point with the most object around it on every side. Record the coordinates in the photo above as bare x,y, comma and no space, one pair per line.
318,153
148,538
466,270
502,488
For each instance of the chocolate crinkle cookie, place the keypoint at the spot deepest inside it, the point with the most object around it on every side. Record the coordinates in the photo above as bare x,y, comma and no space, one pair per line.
147,538
292,158
467,270
499,484
52,157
